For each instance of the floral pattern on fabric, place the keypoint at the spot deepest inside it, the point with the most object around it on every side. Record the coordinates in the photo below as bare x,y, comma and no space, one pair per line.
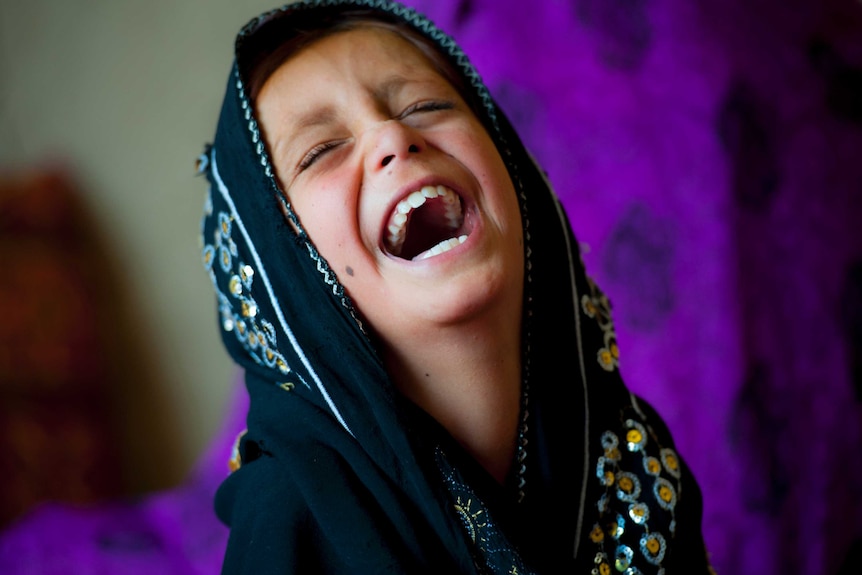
636,512
492,552
597,306
237,308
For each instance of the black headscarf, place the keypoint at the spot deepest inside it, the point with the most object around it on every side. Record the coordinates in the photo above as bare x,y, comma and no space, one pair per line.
339,472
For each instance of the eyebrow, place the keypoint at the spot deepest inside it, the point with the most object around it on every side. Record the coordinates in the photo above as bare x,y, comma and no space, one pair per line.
391,86
320,116
317,117
326,114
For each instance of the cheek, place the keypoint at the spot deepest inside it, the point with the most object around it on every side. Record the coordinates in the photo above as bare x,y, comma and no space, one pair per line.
329,217
325,207
488,165
327,225
335,243
495,179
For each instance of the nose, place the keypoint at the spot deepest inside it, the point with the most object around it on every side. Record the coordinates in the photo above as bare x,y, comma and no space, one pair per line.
391,142
411,149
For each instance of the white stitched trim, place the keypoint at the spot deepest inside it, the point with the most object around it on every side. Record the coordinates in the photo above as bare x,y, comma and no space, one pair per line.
576,307
225,193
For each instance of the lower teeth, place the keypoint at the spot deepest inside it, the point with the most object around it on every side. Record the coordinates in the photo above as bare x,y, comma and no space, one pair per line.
443,246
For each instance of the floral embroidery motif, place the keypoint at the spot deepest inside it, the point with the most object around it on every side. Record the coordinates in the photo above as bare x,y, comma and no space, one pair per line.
628,487
641,480
491,549
238,310
653,547
596,306
472,518
639,513
670,462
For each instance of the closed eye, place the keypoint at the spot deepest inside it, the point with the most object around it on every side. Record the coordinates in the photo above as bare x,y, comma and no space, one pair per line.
319,150
426,106
315,153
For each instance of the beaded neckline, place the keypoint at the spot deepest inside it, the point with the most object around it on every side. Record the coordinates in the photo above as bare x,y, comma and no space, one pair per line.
521,450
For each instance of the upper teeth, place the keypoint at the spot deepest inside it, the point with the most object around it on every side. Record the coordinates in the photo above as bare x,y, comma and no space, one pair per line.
398,221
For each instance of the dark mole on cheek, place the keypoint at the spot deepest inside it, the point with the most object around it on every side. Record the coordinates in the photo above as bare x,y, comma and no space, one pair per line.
349,271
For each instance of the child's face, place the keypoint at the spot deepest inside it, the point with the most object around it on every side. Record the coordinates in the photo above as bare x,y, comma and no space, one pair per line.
362,128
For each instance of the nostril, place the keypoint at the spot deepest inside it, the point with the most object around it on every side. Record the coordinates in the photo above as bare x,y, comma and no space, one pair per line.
386,160
413,148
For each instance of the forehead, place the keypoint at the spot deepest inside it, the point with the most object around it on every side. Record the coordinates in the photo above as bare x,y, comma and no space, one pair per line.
322,87
323,79
367,50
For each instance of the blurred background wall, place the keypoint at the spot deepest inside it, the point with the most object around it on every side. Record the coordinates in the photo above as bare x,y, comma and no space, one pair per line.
120,97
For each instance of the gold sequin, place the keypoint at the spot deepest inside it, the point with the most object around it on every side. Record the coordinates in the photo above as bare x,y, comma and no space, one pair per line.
634,469
589,307
235,285
606,359
639,513
249,309
596,306
671,462
626,484
665,493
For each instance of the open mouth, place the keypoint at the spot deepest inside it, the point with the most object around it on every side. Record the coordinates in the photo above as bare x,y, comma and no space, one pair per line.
426,223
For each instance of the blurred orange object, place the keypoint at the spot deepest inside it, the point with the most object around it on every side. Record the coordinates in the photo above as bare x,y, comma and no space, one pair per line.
57,439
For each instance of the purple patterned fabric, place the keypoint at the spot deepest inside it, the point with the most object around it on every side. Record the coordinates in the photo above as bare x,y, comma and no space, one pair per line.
710,157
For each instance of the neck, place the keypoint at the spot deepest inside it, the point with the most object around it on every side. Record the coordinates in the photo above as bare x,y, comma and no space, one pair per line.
469,379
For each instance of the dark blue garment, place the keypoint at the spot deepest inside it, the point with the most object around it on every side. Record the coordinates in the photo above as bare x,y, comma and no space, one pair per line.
341,474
